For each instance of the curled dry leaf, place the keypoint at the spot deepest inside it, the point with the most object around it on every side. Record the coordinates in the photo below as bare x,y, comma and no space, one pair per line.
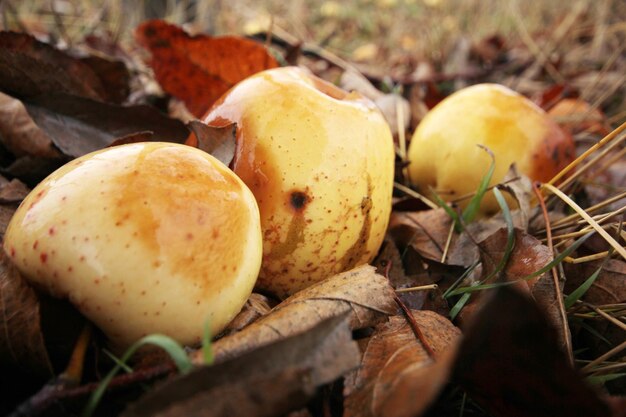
30,68
220,142
397,376
21,339
256,307
511,363
11,195
271,380
199,69
360,292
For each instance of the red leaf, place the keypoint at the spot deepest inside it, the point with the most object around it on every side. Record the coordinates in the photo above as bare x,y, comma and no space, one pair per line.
199,69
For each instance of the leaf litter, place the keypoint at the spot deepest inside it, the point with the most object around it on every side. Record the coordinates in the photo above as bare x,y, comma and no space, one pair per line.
56,105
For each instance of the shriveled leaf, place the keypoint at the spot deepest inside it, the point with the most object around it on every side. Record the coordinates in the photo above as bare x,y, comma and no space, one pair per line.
511,363
30,68
145,136
199,69
20,134
256,307
218,141
425,231
21,338
78,125
397,376
271,380
360,292
13,192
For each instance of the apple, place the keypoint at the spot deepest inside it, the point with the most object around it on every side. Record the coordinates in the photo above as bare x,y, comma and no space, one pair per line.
444,156
142,238
320,162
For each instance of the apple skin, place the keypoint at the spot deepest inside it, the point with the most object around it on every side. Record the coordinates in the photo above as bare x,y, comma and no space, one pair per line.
142,238
320,162
444,155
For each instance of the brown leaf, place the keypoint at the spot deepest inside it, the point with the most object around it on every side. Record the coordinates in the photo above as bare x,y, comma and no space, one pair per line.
271,380
256,307
20,134
13,191
78,125
113,75
31,68
397,376
21,339
218,141
528,256
608,288
425,231
360,292
199,69
511,363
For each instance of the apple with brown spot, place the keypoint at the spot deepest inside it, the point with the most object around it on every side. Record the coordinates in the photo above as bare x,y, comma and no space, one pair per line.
142,238
320,162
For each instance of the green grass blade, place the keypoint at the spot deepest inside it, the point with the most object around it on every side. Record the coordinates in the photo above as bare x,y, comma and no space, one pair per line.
118,361
458,226
207,346
575,295
535,274
458,306
601,379
175,350
510,234
474,205
460,279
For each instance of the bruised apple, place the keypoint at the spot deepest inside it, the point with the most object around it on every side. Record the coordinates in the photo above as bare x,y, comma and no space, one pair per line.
142,238
444,155
320,162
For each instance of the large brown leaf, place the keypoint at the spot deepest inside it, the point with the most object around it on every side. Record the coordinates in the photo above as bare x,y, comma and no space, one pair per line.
31,68
268,381
511,363
21,339
363,294
199,69
397,376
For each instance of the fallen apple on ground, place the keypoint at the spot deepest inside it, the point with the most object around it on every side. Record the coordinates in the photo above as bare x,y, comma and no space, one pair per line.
444,156
142,238
320,162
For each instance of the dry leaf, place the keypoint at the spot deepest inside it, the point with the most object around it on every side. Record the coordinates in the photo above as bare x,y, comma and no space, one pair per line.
397,376
256,307
221,142
511,363
21,339
20,134
271,380
78,125
360,292
30,68
199,69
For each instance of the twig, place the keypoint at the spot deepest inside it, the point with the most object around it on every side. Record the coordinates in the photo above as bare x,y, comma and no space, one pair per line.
555,278
419,288
411,320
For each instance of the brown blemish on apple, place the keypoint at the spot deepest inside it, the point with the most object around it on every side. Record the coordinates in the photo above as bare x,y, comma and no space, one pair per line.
298,200
358,250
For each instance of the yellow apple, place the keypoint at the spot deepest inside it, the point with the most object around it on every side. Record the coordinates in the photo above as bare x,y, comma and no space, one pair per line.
142,238
444,155
320,162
